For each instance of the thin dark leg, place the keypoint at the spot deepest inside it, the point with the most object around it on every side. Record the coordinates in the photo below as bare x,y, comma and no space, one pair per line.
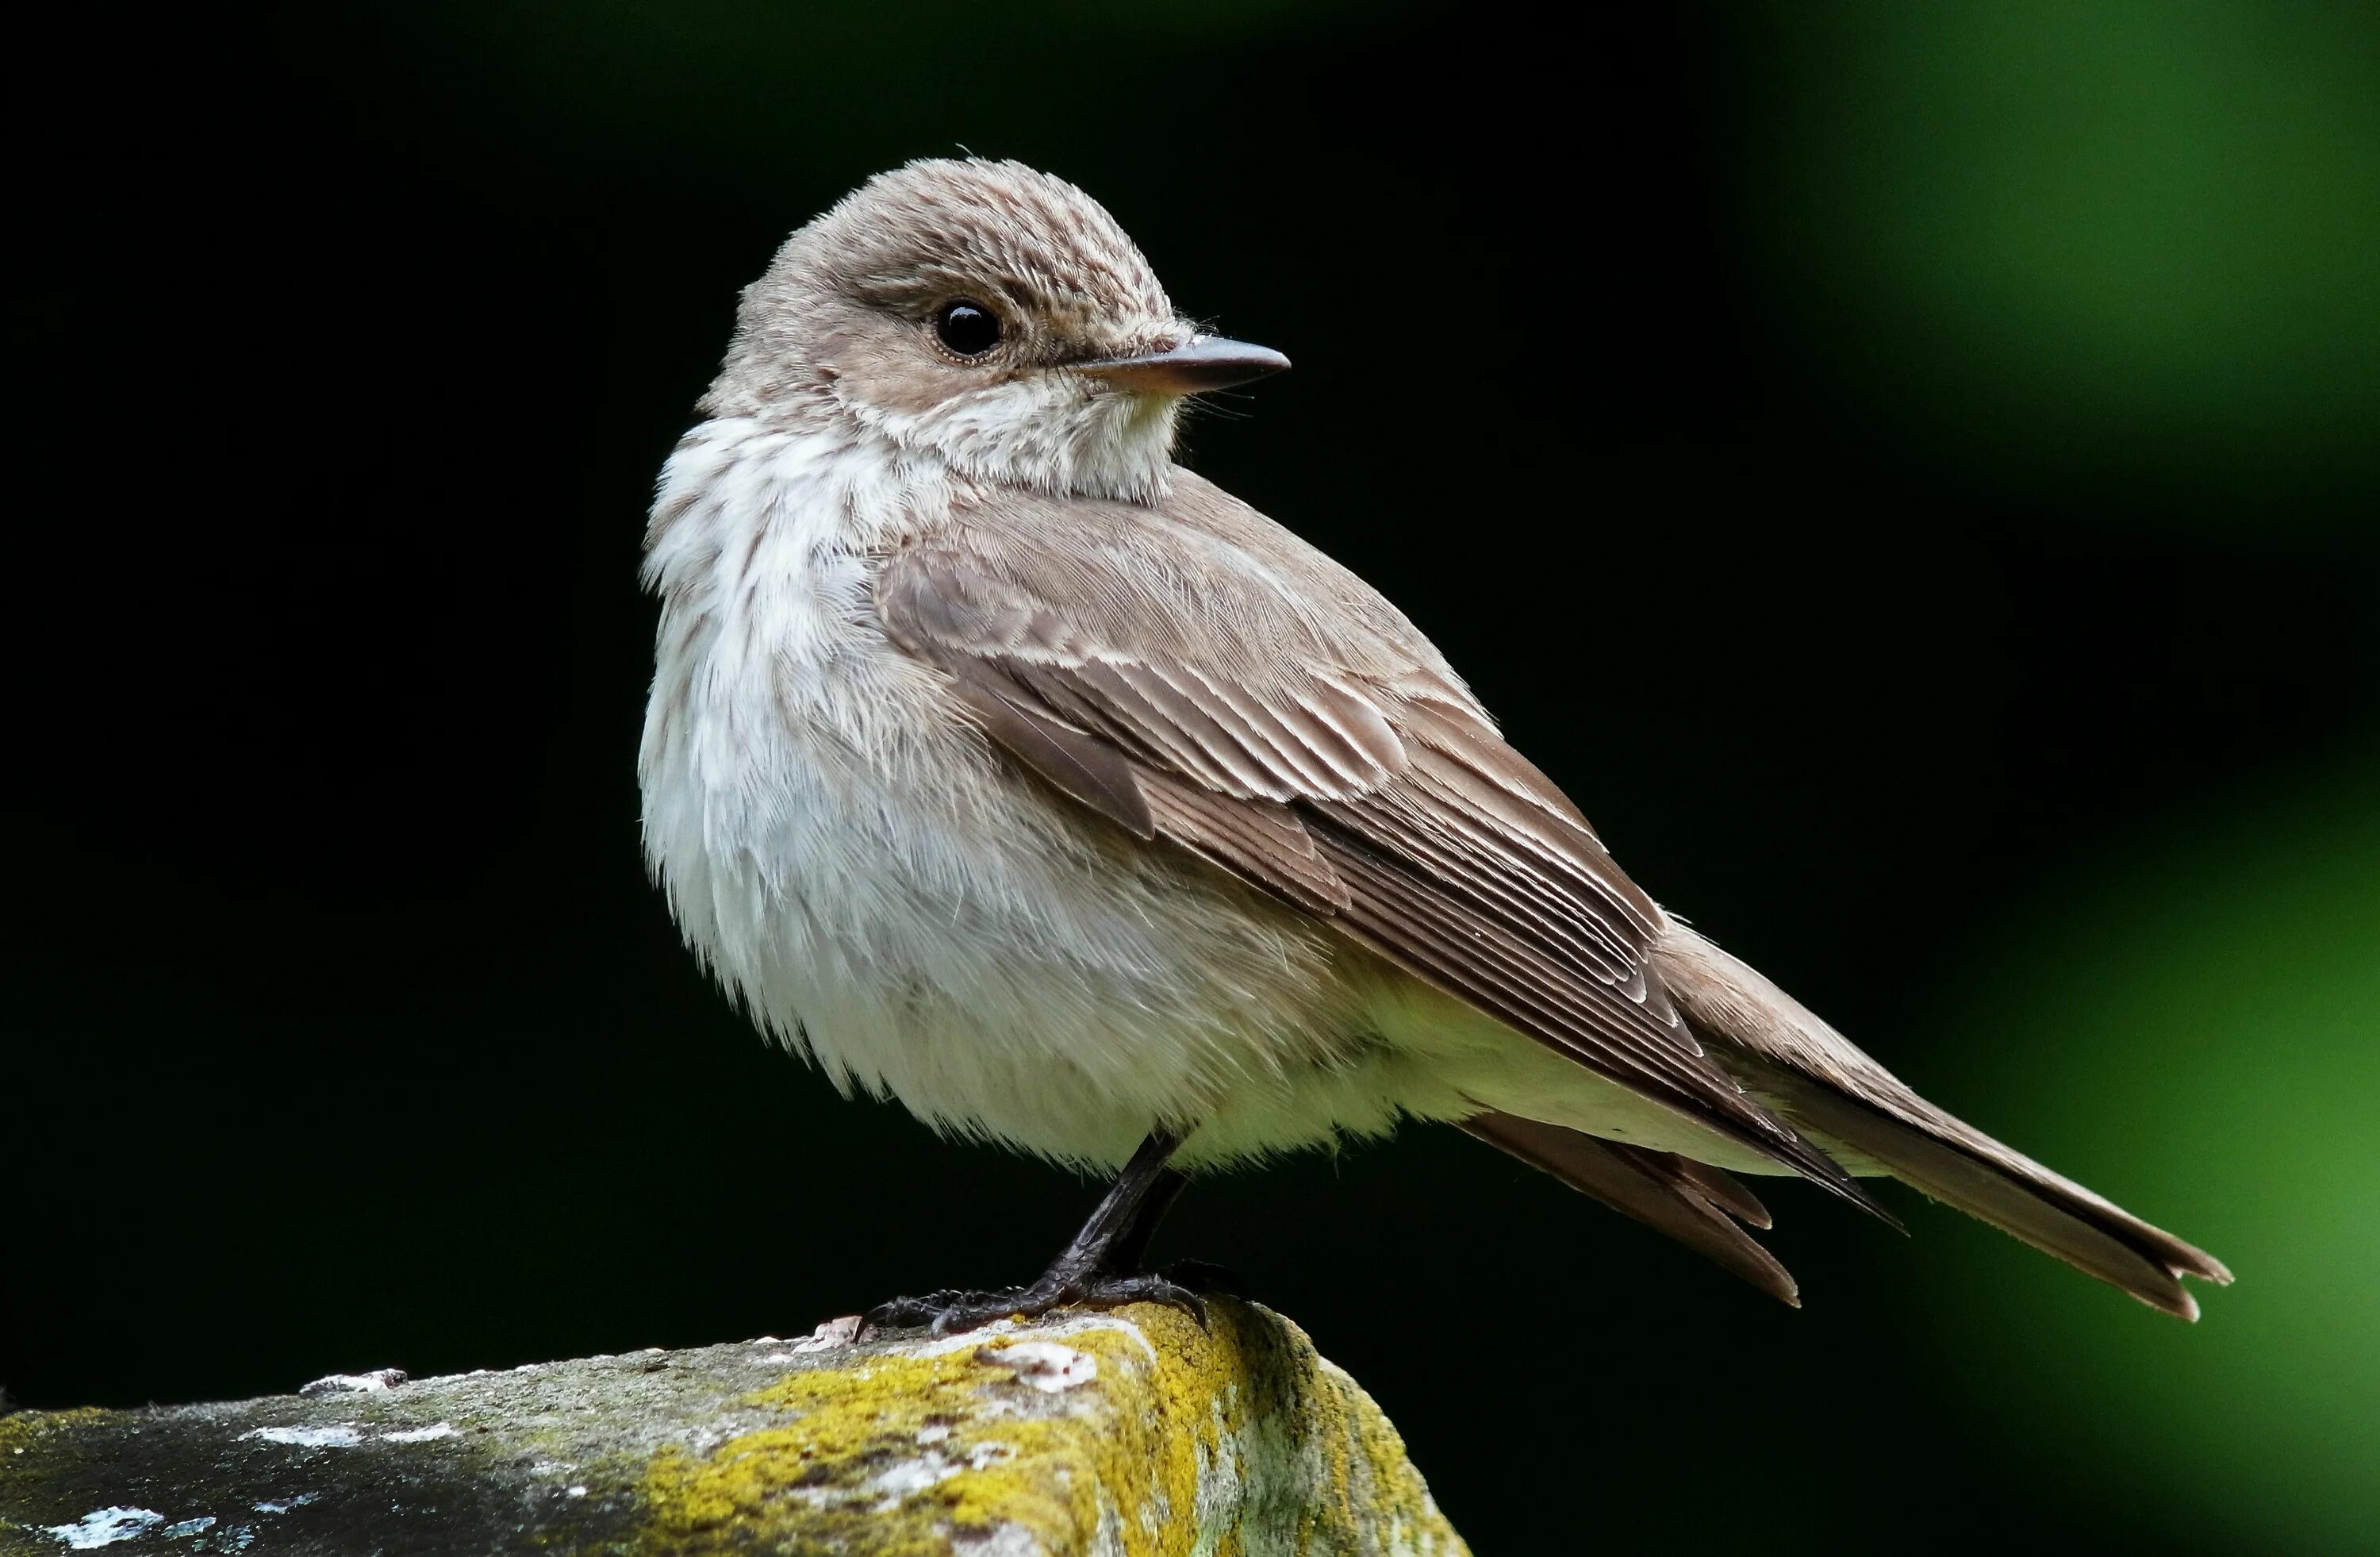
1130,1251
1100,1268
1116,1233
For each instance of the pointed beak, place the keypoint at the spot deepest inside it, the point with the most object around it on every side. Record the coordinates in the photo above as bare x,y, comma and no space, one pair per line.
1202,363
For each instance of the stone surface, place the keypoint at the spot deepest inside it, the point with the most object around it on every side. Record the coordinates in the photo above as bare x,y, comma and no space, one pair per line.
1132,1434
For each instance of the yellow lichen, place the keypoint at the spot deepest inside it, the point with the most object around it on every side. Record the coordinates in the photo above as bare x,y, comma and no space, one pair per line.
1188,1442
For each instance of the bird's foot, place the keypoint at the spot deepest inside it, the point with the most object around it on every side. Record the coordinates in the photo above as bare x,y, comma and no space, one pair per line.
1184,1286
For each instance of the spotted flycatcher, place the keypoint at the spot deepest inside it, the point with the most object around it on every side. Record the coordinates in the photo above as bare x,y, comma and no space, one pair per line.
998,764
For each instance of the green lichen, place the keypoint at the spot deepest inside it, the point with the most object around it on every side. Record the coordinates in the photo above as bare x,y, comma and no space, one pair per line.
38,1446
1231,1442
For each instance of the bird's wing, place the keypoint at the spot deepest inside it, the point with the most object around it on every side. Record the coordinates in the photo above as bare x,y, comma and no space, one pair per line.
1196,674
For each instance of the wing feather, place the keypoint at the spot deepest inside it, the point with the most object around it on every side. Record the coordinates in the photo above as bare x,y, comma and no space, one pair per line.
1197,674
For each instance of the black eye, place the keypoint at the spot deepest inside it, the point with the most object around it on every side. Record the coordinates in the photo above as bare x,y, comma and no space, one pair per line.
967,328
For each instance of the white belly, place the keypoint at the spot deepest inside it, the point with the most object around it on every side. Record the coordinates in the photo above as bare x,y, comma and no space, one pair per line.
882,893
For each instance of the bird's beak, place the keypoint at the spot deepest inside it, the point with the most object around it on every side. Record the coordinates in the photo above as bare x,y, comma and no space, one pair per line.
1203,363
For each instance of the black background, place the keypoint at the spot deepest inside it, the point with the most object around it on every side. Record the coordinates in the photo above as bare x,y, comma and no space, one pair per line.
346,1031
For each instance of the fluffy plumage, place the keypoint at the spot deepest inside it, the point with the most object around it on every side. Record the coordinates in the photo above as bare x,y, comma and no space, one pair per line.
1006,768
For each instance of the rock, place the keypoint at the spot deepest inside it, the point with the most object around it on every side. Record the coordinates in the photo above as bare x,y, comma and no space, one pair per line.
1131,1434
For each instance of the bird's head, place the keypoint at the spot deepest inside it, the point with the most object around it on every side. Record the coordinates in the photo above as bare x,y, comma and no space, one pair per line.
986,316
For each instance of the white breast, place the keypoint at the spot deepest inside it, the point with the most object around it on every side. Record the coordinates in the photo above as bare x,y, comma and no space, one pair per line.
851,859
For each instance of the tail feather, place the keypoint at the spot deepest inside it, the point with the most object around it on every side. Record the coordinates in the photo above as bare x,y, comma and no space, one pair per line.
2012,1192
1691,1201
1862,1114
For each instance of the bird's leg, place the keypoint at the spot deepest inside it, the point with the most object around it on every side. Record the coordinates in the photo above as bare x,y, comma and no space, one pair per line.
1128,1246
1100,1269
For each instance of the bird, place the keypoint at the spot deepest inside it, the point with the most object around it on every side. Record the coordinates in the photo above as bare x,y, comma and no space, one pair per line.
999,764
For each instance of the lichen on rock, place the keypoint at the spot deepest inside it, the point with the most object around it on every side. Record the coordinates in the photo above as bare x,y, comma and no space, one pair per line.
1134,1434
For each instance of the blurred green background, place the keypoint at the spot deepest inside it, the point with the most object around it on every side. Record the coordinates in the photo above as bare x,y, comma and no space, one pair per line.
1959,422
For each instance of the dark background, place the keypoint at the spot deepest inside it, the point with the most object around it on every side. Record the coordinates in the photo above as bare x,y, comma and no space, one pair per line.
1909,472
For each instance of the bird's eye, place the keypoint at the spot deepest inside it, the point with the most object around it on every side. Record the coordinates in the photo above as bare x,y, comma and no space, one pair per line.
967,328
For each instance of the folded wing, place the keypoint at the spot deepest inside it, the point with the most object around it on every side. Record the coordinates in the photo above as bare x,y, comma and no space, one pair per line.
1168,668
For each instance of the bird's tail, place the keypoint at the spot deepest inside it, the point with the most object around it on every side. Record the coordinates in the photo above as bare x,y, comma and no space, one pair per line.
1864,1117
1700,1206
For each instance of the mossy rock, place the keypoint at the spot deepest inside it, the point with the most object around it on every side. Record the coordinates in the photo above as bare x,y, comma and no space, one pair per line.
1131,1434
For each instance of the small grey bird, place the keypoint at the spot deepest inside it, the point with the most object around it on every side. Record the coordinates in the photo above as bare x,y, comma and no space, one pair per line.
999,765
